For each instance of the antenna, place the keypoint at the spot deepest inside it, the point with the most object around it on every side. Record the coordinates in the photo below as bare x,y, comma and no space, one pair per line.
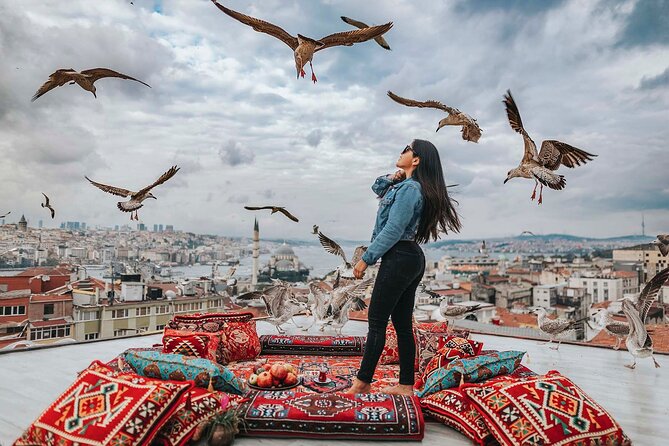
643,226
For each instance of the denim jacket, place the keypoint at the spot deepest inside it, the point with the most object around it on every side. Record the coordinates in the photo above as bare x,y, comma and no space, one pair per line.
400,208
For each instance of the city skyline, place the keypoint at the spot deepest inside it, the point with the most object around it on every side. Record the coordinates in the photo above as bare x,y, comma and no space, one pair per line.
226,107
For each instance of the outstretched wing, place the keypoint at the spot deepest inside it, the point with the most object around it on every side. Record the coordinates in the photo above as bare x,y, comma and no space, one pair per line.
257,208
650,292
663,240
56,79
99,73
331,246
3,216
288,214
421,104
553,153
513,114
358,24
47,200
164,177
348,38
110,189
260,26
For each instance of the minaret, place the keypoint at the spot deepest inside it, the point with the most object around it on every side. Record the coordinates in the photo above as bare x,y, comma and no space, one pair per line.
643,226
256,255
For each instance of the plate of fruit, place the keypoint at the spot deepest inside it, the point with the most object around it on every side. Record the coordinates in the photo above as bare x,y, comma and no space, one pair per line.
277,376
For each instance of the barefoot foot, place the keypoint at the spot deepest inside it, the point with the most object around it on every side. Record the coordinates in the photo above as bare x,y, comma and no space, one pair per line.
359,387
400,389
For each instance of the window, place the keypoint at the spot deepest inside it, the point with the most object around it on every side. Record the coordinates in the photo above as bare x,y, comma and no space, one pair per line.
606,294
160,327
57,331
13,330
143,311
88,315
48,309
118,314
91,336
13,310
162,309
120,332
143,329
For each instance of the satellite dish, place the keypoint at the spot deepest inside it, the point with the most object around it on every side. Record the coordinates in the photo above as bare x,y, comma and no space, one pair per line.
169,294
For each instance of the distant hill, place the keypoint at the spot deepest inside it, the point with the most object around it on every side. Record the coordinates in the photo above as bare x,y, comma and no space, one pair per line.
623,239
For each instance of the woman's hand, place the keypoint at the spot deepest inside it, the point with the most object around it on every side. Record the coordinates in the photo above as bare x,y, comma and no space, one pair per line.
359,269
398,176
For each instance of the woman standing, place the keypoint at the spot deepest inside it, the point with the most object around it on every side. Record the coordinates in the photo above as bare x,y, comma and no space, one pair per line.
414,207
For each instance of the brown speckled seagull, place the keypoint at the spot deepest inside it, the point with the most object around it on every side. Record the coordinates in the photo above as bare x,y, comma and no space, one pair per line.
617,329
136,198
555,328
346,269
84,79
47,205
305,47
358,24
540,166
662,243
274,210
469,128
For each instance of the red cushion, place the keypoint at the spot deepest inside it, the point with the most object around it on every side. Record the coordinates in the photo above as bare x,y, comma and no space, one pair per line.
199,345
429,344
194,407
103,406
390,354
334,415
239,341
210,322
548,409
312,345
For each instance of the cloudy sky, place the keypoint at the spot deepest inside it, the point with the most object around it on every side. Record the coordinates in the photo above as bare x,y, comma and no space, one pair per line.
225,106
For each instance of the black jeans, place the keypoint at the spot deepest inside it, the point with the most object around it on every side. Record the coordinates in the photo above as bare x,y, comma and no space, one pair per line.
394,293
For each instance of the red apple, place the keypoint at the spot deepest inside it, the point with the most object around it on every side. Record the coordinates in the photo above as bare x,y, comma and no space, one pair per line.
267,367
276,382
291,379
279,371
264,380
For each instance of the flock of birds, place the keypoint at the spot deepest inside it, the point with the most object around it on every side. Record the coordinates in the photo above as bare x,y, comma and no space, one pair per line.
329,303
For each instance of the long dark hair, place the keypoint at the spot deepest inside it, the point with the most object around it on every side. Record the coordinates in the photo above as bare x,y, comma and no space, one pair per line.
439,214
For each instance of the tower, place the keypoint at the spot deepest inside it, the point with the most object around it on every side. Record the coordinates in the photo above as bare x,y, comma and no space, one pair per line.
23,224
256,254
643,226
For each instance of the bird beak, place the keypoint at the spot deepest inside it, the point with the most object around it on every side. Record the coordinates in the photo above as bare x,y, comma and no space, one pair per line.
506,180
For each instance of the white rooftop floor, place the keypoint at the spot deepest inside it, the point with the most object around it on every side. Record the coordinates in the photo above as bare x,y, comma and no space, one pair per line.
637,399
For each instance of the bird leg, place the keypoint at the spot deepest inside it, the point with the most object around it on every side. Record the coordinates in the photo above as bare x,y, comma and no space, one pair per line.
279,329
657,366
558,346
313,76
302,73
534,192
617,346
631,366
541,194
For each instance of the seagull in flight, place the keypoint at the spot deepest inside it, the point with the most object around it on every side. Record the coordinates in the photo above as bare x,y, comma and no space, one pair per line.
304,47
540,166
136,198
468,126
47,205
638,342
84,79
361,25
345,270
3,216
274,210
662,243
526,232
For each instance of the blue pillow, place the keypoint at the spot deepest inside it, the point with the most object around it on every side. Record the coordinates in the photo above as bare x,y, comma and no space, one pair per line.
478,368
182,368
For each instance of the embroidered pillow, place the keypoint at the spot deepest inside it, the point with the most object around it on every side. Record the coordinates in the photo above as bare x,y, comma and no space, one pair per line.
106,407
429,343
239,341
336,415
475,369
210,322
312,345
390,353
199,345
442,359
548,409
204,372
194,407
454,409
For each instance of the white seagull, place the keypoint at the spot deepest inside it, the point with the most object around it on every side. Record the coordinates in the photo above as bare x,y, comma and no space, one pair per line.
555,328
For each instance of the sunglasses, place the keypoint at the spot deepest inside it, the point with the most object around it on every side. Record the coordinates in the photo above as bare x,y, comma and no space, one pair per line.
408,149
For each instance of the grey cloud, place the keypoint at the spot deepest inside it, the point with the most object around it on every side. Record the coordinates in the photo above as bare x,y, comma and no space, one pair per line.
243,198
314,137
233,154
650,83
647,24
268,193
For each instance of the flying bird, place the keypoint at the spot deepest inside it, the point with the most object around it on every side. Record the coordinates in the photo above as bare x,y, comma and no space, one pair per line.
274,209
3,216
662,243
314,229
331,308
47,205
469,128
555,328
84,79
638,342
345,270
541,166
282,305
136,198
358,24
305,47
526,232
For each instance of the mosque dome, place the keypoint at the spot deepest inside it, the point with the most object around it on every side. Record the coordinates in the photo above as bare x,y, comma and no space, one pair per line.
284,250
